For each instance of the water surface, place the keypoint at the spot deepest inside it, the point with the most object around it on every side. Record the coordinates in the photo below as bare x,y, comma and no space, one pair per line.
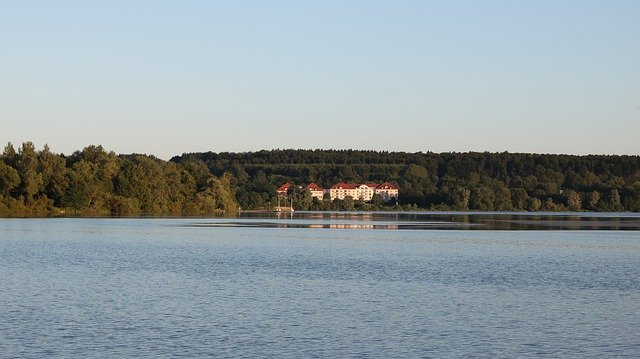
219,287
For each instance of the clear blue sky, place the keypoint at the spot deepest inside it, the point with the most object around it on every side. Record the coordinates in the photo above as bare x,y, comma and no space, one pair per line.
167,77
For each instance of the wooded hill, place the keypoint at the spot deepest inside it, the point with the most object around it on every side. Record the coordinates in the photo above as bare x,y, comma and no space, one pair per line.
96,182
435,181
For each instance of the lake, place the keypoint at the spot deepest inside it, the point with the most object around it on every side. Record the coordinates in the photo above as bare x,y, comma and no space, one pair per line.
322,285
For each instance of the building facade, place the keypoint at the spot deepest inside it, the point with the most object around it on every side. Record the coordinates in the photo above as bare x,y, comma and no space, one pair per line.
387,191
342,190
316,191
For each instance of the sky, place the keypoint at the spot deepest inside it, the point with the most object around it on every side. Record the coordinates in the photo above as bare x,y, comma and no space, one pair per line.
167,77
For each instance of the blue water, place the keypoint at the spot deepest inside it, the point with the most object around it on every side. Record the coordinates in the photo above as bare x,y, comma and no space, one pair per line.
176,287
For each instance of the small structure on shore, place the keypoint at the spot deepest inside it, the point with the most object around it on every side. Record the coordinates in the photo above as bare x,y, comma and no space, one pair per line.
284,189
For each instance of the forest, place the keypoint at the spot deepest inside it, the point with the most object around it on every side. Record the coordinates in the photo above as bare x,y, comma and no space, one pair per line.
435,181
94,181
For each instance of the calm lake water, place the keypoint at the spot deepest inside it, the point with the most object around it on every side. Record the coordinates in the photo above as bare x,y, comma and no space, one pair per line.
322,285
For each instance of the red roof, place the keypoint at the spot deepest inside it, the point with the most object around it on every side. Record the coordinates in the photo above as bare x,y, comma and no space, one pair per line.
313,187
284,187
387,185
372,185
343,185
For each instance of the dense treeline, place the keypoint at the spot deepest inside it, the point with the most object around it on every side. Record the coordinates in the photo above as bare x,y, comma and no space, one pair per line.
445,181
96,182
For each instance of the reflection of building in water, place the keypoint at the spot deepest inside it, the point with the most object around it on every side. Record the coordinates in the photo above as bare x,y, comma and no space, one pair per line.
362,226
337,226
351,226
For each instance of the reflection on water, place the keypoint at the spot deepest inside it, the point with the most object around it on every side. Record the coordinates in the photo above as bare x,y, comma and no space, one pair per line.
433,220
129,288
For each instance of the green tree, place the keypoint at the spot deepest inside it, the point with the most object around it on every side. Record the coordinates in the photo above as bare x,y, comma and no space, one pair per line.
83,191
9,179
594,200
519,198
27,166
53,169
9,155
533,204
503,199
223,193
482,199
574,202
612,202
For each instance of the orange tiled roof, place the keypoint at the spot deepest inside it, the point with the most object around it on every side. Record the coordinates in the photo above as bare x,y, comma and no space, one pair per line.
343,185
284,187
387,185
313,187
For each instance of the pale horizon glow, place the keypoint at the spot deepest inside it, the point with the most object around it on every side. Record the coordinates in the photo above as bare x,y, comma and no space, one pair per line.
165,78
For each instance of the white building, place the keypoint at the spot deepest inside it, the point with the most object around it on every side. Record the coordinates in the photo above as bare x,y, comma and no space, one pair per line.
387,191
361,192
316,191
342,190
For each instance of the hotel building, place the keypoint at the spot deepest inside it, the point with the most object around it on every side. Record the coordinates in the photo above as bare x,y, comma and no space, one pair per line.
361,192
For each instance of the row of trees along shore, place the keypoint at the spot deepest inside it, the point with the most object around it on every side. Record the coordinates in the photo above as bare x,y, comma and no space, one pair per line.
97,182
94,181
435,181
